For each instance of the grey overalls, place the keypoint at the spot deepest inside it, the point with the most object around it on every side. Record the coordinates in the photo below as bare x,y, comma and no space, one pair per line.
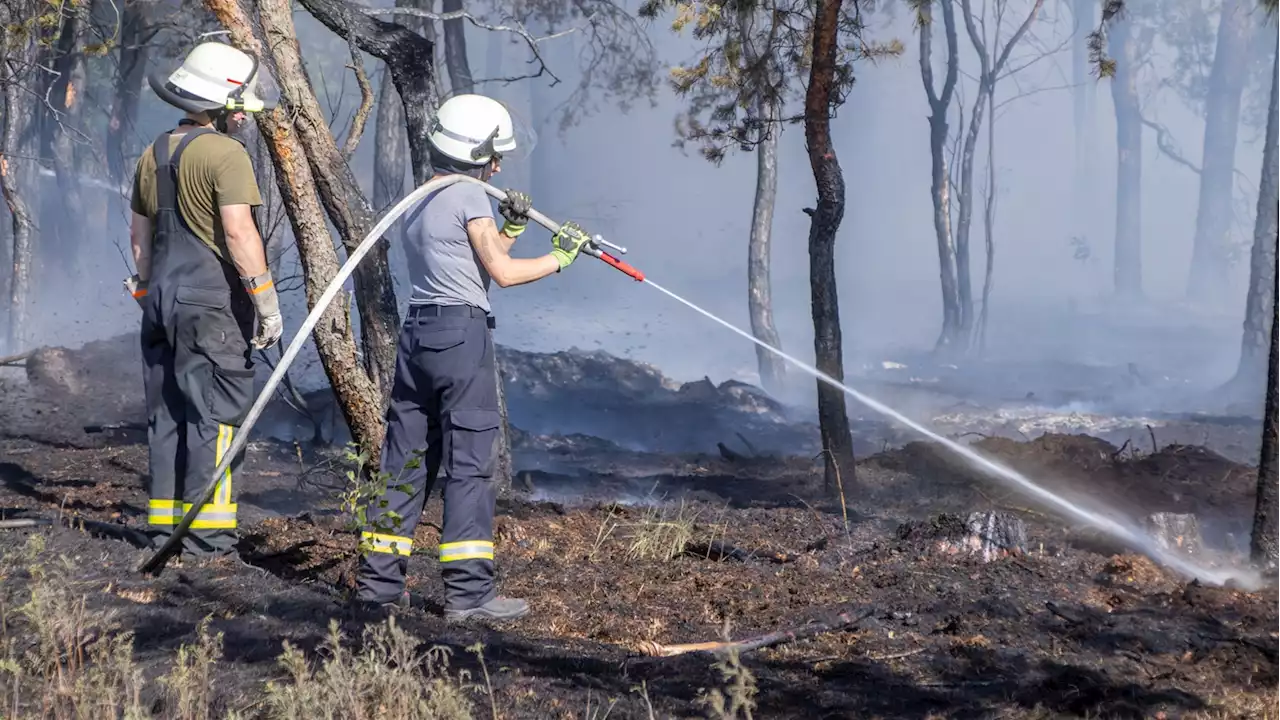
196,325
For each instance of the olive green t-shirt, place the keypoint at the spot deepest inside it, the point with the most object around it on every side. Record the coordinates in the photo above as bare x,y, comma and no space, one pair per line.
215,171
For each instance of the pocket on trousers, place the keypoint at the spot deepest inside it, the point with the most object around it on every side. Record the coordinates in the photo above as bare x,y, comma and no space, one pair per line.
439,338
471,436
229,393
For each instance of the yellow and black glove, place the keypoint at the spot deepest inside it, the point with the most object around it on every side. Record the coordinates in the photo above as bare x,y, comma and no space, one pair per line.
515,209
566,243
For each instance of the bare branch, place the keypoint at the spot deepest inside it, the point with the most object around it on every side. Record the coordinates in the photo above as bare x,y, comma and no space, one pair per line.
517,29
366,102
1164,141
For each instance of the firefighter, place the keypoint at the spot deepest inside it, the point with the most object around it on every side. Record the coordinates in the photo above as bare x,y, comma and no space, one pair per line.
206,293
443,413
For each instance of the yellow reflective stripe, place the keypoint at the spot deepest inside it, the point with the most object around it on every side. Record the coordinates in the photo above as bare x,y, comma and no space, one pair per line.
466,550
390,544
223,444
214,516
164,512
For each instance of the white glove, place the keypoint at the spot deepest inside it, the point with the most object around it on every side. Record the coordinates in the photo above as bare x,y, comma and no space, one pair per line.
262,291
137,288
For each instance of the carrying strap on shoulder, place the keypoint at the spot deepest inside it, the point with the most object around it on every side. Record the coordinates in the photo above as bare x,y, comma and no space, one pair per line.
167,174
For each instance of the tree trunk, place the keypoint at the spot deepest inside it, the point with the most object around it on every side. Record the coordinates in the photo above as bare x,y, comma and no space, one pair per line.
346,204
1124,94
1265,539
964,276
1259,309
390,147
65,96
1082,95
992,62
837,442
940,189
335,343
455,51
989,223
759,292
1210,256
410,58
135,35
17,174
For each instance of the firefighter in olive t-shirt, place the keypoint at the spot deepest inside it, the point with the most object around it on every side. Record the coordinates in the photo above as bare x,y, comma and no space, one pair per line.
201,275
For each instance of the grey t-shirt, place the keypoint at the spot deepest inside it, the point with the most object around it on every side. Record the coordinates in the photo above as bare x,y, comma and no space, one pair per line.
443,266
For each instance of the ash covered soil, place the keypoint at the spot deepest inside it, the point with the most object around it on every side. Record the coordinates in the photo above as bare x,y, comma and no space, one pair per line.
619,549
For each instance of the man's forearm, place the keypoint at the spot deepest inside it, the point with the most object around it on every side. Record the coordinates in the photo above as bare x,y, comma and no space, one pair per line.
518,271
247,253
140,245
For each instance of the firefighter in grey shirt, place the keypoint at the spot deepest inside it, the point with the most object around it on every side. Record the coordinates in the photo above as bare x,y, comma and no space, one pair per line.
444,402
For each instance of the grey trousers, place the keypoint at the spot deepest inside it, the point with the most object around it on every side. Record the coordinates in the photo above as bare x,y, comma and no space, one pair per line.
442,419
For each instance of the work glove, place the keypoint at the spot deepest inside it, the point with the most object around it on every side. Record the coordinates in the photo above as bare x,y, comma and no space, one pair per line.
137,287
262,291
566,243
515,208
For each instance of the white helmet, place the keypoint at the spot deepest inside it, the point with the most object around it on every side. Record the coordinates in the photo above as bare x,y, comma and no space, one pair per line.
472,128
213,76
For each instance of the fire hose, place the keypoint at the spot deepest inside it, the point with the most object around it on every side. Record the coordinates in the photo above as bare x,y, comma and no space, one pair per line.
593,247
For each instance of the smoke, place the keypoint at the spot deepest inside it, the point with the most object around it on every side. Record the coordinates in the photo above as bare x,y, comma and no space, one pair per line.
1054,330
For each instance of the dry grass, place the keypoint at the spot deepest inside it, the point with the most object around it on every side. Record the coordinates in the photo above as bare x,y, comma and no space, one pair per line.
661,533
60,660
389,678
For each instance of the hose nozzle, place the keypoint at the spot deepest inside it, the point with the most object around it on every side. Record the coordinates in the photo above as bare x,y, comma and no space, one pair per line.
592,248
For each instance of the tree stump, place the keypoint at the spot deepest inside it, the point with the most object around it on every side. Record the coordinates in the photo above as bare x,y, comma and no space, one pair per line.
1179,532
987,535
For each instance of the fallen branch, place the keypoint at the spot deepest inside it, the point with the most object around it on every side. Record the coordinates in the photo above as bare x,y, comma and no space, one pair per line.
842,621
93,429
119,532
1154,447
19,359
718,550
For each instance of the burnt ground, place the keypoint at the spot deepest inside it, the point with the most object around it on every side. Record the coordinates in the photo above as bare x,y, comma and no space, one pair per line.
1073,627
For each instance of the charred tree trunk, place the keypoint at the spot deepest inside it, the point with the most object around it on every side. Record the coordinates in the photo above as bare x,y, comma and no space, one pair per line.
940,189
390,148
1259,305
759,292
408,56
1265,540
346,204
1210,255
335,343
1124,94
135,36
837,441
16,172
67,89
455,51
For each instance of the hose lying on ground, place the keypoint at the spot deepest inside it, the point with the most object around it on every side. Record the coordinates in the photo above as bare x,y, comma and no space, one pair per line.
156,562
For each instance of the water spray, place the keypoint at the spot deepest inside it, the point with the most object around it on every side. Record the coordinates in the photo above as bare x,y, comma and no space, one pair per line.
1124,532
1127,533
